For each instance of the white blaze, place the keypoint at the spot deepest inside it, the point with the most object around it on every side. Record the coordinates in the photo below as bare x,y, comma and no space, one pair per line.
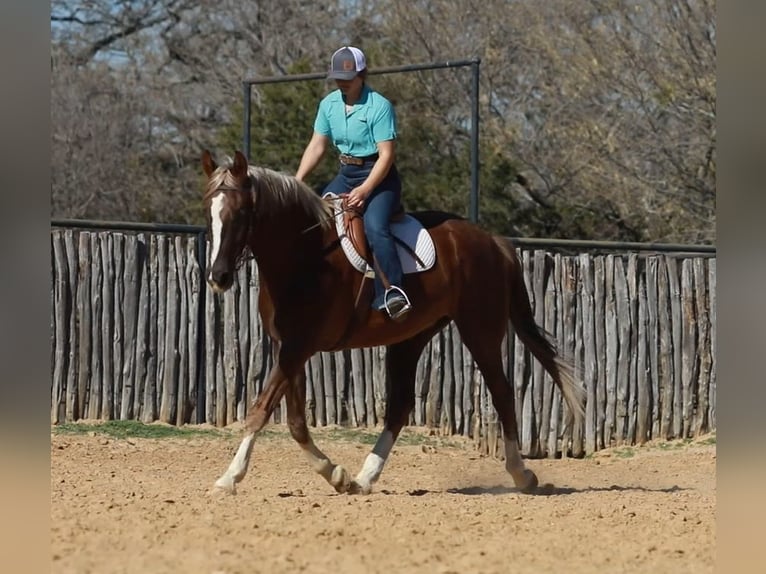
216,206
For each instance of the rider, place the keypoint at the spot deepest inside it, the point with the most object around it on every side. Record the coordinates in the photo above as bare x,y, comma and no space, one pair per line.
361,123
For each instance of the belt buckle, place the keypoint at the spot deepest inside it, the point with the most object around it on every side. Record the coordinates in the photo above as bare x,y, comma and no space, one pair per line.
350,160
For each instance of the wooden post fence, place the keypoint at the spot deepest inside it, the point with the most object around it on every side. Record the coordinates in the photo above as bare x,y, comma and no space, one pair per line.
137,334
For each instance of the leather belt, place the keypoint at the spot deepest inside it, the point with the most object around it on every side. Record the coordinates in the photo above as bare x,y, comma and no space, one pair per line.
351,160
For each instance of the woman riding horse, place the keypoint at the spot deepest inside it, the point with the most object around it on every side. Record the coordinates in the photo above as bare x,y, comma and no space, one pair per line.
361,123
477,282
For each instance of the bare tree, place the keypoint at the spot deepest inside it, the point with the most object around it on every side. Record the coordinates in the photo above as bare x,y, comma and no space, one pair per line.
607,107
597,116
140,88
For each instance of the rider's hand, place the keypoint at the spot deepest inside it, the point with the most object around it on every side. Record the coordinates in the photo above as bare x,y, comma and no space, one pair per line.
357,197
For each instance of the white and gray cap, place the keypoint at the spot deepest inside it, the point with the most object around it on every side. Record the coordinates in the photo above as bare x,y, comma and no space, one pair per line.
346,63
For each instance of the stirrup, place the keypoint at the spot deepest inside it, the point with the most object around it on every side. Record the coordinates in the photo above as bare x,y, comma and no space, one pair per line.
404,309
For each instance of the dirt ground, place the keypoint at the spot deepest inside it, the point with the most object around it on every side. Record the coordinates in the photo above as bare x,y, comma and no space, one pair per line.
142,505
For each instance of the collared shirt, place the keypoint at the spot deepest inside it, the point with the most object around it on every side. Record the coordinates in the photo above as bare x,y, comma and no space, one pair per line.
371,120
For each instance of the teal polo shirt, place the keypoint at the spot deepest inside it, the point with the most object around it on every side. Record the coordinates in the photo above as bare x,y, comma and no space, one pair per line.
372,120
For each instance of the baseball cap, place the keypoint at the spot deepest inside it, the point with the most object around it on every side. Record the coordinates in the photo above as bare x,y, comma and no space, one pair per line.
346,63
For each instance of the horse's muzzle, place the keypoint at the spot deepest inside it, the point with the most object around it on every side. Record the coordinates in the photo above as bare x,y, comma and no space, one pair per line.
220,280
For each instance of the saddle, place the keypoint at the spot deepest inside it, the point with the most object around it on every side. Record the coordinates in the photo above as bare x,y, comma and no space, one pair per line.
413,242
353,222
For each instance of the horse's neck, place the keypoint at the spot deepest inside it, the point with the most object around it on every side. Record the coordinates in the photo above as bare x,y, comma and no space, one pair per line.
286,242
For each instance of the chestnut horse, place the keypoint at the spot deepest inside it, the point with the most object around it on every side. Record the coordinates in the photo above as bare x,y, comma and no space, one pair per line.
309,302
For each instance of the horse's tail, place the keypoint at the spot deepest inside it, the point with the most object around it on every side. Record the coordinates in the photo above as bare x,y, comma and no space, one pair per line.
534,338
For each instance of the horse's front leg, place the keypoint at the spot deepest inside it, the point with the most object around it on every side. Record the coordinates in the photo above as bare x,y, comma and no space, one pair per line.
336,475
401,366
373,464
256,420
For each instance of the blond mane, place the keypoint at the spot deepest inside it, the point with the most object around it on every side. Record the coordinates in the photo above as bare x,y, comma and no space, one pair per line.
276,190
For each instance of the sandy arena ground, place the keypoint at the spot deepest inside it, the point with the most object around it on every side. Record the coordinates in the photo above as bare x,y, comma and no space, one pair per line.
142,506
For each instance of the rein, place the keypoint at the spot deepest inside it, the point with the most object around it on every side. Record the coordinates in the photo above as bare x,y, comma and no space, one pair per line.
328,218
247,253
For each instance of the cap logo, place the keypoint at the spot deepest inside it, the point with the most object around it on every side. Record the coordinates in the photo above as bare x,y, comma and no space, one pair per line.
348,65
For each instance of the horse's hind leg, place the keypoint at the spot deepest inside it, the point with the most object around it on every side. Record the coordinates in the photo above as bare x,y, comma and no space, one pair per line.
256,420
336,475
485,348
401,367
503,400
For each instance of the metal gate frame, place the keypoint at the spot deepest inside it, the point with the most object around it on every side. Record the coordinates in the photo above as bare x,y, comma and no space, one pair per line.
474,63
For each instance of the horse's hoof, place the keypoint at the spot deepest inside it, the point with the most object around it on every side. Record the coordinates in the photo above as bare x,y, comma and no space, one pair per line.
340,479
359,488
531,486
546,489
224,486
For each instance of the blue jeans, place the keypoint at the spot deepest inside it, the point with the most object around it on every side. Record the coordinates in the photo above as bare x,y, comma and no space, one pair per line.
378,209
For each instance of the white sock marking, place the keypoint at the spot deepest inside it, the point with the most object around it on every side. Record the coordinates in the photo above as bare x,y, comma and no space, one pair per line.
318,460
238,467
373,464
334,474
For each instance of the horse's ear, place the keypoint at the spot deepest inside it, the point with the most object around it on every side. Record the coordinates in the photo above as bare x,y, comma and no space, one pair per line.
208,163
239,169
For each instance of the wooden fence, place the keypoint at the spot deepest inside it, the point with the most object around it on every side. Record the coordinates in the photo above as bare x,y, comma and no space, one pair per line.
136,334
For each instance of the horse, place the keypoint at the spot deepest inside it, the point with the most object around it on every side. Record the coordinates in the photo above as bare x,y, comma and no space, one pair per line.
310,301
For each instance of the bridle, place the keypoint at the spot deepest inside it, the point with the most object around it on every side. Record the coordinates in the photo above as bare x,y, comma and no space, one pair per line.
247,253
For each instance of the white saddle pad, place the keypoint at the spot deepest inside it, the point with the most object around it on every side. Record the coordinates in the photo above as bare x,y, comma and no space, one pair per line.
408,229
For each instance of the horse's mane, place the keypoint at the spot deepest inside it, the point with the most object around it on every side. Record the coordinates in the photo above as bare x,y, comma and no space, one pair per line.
275,191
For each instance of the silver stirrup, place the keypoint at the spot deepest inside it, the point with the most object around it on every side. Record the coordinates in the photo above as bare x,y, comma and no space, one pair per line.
407,305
